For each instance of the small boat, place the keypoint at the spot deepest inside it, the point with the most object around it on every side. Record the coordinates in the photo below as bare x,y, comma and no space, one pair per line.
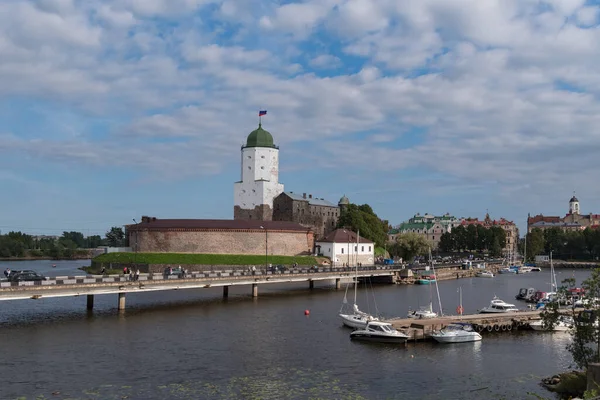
426,280
456,332
507,270
377,331
358,319
525,294
422,313
563,324
498,306
524,270
536,269
485,274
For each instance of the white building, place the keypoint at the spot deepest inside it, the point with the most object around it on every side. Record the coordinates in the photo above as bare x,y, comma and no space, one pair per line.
259,185
342,248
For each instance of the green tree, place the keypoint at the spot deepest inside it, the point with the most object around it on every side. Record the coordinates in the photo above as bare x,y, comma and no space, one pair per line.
362,218
75,237
585,335
409,245
94,241
535,243
115,237
447,242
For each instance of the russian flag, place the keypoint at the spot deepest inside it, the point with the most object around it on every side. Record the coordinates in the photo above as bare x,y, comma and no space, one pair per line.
261,113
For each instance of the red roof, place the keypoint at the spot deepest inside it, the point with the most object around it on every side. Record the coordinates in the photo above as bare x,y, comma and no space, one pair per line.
343,236
152,223
540,218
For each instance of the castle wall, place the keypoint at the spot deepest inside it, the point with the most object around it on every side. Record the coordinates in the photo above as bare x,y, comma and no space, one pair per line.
286,243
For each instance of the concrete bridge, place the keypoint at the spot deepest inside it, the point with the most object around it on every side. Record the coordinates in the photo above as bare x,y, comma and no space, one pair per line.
92,285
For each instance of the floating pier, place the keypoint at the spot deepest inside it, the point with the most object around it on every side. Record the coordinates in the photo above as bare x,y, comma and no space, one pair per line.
421,329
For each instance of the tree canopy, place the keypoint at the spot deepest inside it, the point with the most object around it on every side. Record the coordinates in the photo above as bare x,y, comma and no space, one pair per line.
408,246
362,218
474,238
577,245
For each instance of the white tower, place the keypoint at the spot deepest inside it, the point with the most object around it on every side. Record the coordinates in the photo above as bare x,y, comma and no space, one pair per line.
254,194
574,205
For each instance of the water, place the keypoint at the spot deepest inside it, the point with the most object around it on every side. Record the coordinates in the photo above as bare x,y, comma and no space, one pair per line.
194,345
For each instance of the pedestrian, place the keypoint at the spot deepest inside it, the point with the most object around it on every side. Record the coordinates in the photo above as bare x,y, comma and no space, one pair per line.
253,270
183,272
124,270
103,270
7,272
137,274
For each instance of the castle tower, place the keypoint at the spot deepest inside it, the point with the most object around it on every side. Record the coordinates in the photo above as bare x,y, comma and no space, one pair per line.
259,185
574,205
343,204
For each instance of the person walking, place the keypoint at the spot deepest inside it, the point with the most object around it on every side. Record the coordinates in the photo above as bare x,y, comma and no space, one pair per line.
137,274
253,270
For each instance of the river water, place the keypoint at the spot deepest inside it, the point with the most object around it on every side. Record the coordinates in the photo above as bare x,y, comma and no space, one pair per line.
195,345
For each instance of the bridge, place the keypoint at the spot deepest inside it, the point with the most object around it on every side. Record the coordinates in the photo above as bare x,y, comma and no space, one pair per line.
92,285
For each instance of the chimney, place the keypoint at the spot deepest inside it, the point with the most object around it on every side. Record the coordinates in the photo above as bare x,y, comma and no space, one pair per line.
303,195
145,219
310,196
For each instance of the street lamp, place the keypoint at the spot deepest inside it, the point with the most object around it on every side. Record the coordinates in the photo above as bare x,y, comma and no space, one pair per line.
348,240
266,247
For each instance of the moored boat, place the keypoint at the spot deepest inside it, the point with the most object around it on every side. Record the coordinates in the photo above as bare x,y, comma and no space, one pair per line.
485,274
457,332
422,313
525,294
562,324
506,270
498,306
377,331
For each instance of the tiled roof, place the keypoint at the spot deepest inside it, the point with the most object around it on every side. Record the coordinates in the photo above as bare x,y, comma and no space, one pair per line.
251,224
343,236
313,201
540,217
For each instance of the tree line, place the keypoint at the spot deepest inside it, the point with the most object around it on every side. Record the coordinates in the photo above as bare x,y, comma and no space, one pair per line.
69,245
362,218
568,245
474,238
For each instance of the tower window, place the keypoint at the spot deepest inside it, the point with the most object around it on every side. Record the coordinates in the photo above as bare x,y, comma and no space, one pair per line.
249,157
262,156
262,167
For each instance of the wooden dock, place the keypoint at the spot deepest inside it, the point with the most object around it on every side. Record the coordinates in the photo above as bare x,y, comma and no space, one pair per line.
420,329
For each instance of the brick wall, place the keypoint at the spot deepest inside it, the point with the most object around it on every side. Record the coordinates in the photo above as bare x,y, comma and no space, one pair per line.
310,216
262,212
285,243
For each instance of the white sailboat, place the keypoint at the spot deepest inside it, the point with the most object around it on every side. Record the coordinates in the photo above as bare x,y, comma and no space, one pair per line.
427,312
357,319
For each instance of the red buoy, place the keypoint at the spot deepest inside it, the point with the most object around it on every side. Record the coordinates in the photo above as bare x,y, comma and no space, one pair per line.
306,312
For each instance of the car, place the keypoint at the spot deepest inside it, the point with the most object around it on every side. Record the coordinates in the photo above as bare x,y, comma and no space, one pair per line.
178,272
26,275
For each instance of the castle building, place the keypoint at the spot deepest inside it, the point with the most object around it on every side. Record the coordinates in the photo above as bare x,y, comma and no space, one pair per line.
572,221
259,184
316,213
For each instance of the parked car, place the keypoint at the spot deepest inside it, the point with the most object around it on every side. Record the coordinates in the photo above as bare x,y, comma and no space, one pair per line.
26,275
178,272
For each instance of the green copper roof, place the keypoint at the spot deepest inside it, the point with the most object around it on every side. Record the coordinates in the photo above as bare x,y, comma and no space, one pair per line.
260,138
344,200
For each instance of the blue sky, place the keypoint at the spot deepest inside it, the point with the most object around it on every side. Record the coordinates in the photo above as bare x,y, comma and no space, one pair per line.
114,109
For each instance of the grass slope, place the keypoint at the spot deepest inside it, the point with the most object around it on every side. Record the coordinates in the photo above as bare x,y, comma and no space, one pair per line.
203,259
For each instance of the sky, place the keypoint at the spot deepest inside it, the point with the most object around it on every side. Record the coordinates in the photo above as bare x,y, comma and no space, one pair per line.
114,109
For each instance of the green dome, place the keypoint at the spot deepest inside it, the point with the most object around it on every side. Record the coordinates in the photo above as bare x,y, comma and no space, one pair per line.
260,138
344,201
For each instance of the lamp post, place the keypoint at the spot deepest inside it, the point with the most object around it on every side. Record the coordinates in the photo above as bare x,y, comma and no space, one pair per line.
135,244
266,247
348,244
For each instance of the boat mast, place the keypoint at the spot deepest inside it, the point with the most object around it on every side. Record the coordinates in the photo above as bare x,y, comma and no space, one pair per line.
356,268
552,275
437,289
460,301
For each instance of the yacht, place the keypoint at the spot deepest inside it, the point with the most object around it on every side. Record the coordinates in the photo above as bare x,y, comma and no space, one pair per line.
485,274
358,319
498,306
377,331
422,313
457,332
563,324
523,270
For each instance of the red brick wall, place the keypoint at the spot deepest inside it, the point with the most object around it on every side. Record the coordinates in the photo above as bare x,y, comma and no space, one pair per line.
223,242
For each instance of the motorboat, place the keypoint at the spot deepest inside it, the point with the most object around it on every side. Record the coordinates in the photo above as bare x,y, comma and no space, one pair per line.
377,331
562,324
456,332
422,313
498,306
507,270
358,319
523,270
536,269
525,294
485,274
426,280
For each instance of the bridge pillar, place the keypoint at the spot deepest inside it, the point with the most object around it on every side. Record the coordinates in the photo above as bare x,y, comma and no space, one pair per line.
254,290
90,301
121,301
311,284
338,283
225,292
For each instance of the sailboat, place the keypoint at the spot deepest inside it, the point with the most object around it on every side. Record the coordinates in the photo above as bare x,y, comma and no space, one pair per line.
425,312
356,319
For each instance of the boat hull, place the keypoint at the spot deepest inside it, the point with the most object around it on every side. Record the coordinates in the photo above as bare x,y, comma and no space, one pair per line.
538,326
369,337
355,321
457,338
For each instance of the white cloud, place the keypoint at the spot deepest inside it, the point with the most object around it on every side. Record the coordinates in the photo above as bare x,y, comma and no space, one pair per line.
325,61
486,82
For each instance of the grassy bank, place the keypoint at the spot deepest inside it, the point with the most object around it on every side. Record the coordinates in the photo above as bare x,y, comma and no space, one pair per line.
202,259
